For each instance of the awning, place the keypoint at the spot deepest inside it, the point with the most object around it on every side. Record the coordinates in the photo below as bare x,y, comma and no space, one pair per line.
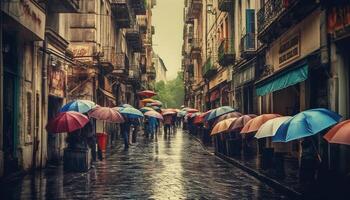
282,80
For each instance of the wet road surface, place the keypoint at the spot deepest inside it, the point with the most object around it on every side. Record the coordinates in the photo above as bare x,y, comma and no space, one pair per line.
175,167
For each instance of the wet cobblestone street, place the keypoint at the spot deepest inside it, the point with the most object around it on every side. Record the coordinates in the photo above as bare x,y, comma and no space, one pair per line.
175,167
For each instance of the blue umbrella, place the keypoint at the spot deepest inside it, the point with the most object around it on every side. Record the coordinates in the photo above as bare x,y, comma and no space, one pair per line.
81,106
306,123
131,113
219,112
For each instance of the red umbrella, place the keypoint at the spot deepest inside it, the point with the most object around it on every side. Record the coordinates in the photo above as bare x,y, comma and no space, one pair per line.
199,119
107,114
240,122
67,122
147,93
192,110
339,134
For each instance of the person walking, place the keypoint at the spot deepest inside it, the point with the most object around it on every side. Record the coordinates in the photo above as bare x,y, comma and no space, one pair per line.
167,124
135,123
152,124
125,129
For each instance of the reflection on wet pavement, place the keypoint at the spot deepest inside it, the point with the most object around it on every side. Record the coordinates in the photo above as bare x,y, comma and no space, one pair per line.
175,167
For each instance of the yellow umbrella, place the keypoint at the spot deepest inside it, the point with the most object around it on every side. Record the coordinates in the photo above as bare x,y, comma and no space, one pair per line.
148,100
222,126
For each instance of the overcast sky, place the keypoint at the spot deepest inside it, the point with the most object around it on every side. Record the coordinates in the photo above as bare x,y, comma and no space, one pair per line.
168,21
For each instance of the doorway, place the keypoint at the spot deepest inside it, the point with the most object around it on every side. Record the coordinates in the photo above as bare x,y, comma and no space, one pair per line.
10,104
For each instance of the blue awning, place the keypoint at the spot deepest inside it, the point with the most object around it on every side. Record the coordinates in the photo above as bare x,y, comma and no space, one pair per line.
283,80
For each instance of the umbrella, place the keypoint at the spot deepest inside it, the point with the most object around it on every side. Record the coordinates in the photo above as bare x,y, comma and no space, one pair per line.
222,126
126,106
192,110
200,118
240,122
182,106
155,104
67,122
82,106
145,109
339,134
147,93
269,128
306,123
118,108
107,114
154,114
219,112
148,100
227,116
168,113
181,113
131,113
254,124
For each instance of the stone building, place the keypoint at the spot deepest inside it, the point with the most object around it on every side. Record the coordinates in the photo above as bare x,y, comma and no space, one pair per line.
160,68
60,51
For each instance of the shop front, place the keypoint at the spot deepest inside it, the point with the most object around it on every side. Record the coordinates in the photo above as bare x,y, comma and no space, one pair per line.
294,62
19,98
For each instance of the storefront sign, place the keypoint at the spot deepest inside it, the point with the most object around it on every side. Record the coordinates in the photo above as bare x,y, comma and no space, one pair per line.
339,21
219,78
28,13
289,49
57,82
82,51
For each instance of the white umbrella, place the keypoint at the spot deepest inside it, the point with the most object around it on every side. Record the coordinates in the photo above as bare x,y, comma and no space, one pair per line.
269,128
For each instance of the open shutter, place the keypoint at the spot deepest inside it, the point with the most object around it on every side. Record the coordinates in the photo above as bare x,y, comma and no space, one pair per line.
250,28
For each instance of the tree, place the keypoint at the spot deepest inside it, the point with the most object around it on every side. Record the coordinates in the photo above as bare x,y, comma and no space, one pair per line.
171,93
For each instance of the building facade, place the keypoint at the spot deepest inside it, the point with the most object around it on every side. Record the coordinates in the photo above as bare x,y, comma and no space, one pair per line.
60,51
160,68
269,56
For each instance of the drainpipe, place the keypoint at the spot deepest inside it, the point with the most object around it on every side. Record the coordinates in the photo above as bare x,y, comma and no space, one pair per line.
44,97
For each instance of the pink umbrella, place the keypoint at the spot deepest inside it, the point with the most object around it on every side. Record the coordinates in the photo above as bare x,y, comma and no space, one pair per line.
153,114
67,122
339,134
254,124
169,113
107,114
192,110
240,122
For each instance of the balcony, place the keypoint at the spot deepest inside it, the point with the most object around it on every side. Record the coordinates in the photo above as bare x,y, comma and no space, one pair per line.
248,45
122,13
64,6
187,17
153,30
133,38
208,69
134,75
108,60
226,53
196,47
276,16
225,5
139,6
195,8
121,67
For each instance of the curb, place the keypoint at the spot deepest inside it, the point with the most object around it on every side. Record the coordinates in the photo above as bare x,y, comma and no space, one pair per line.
269,181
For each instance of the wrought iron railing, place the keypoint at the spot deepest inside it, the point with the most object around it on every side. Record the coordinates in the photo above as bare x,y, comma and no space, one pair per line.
271,10
226,47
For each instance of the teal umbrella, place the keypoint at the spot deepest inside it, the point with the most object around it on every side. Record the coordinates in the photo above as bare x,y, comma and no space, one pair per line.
131,113
306,123
219,112
81,106
126,106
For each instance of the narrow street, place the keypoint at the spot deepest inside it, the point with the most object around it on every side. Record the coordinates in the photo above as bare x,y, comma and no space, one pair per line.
175,167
